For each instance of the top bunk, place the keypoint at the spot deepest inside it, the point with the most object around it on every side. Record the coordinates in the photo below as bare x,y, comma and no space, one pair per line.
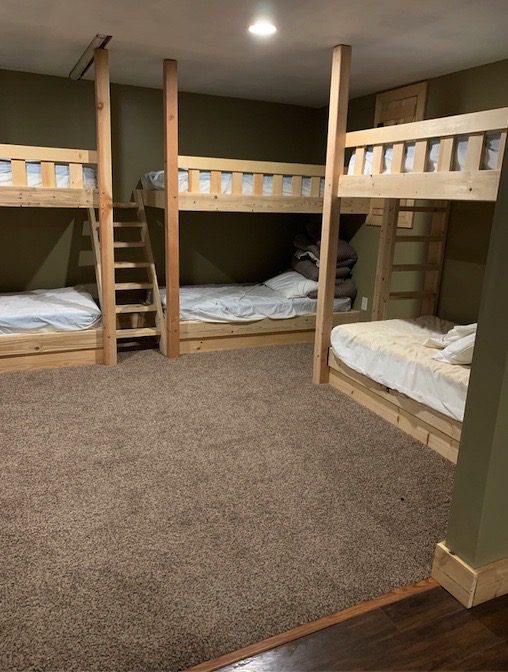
235,185
450,158
48,177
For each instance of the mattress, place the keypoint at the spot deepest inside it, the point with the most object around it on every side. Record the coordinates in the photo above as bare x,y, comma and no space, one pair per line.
489,158
48,310
34,175
155,180
392,353
243,303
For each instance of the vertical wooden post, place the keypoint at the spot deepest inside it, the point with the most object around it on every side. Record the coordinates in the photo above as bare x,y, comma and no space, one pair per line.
384,267
172,244
105,184
337,122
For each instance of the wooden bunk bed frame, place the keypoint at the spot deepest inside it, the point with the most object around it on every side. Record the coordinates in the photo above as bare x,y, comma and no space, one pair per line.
473,183
194,336
40,350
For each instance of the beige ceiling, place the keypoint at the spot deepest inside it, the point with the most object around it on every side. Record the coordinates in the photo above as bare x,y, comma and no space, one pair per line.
394,41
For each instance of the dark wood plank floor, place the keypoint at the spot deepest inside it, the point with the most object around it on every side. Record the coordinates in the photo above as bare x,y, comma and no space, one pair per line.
427,631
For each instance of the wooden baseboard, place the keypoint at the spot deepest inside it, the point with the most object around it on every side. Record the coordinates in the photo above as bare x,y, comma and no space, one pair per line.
469,585
320,624
434,429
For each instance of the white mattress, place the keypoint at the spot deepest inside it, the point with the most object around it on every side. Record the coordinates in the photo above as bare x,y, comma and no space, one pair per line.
34,177
489,159
43,310
155,180
243,303
392,353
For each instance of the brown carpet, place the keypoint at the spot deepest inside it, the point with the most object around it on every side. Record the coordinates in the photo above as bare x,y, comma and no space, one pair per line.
158,514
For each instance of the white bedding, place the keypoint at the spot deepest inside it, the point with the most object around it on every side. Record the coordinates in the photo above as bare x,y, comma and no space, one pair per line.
155,180
489,159
243,303
392,353
67,309
34,177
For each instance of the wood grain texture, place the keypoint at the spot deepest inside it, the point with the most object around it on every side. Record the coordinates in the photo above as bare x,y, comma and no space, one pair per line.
171,221
309,628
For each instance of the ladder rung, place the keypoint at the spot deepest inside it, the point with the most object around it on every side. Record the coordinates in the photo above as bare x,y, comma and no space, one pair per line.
410,295
415,267
127,225
125,204
132,264
133,285
418,239
422,208
136,308
130,243
135,333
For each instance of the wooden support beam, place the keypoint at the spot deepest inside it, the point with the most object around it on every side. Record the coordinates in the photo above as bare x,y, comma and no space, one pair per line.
105,185
337,122
171,222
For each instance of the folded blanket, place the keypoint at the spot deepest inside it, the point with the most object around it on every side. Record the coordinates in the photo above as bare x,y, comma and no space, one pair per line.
343,289
346,255
310,270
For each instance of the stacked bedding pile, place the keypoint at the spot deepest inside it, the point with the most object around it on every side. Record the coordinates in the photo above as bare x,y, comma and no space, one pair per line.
401,354
284,296
48,310
306,261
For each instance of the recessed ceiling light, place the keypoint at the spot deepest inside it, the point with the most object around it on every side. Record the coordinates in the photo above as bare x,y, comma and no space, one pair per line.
262,28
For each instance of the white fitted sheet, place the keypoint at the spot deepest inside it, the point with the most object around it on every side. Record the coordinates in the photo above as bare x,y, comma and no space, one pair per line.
489,159
34,176
243,303
155,180
43,310
392,353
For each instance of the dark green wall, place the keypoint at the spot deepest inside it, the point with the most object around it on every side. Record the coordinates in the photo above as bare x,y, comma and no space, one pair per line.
46,248
469,231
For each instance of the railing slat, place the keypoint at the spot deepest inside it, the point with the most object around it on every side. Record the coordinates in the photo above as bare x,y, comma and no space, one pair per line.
215,182
420,162
445,159
500,156
398,157
18,168
257,186
193,178
296,185
75,175
359,160
237,186
48,174
474,151
377,160
277,185
315,183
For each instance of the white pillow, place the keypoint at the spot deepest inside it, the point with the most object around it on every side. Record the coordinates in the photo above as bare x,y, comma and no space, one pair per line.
292,285
455,334
458,352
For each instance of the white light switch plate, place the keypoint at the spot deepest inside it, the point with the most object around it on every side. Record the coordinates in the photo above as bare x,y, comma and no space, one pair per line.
365,303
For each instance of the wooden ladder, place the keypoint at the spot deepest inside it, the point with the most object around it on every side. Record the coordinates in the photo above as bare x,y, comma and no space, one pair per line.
138,303
431,268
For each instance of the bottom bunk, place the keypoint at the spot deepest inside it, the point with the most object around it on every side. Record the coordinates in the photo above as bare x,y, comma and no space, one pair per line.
413,373
49,328
280,311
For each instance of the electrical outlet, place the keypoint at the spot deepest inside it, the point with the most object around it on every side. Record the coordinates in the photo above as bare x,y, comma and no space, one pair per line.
365,303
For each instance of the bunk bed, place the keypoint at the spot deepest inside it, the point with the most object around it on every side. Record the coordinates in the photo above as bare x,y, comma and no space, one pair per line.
190,183
434,161
63,327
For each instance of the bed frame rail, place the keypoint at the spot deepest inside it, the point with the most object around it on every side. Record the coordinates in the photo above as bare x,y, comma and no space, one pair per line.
473,183
48,194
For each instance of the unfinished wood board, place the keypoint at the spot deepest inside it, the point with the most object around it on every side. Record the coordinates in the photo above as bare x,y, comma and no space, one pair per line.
28,344
470,585
435,430
35,197
51,360
335,156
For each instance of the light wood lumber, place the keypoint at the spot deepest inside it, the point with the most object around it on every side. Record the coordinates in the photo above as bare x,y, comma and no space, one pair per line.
337,121
171,205
385,260
105,182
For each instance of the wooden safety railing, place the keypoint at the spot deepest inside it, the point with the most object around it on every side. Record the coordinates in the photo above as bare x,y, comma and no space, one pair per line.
445,180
